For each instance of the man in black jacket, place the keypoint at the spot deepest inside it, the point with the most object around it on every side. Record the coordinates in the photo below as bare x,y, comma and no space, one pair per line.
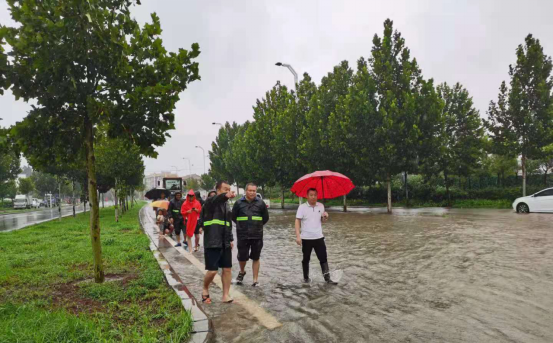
218,240
249,214
175,217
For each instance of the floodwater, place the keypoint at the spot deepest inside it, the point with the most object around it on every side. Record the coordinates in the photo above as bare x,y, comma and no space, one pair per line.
11,222
419,275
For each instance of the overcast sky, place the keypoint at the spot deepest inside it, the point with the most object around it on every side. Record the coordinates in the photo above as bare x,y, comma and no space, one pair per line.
471,42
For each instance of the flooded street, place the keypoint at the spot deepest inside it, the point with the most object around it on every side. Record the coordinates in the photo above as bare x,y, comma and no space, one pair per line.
10,222
419,275
423,275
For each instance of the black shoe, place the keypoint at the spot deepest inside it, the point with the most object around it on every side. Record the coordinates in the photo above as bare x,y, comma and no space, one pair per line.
178,245
308,280
240,278
326,274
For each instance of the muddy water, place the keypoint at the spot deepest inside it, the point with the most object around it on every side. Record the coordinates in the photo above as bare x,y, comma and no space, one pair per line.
415,276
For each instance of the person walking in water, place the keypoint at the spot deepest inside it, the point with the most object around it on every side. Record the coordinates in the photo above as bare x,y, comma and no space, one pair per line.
218,240
176,218
249,214
309,234
190,211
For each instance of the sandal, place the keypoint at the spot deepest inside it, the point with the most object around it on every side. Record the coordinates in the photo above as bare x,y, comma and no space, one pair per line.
206,299
229,302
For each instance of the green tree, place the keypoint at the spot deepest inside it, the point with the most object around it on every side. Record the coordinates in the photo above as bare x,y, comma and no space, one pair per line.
9,161
120,166
207,182
8,189
501,165
397,78
461,135
352,126
220,151
44,183
520,121
89,64
26,186
315,139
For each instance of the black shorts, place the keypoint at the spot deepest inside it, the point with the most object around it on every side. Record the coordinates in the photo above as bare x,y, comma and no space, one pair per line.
179,226
216,258
249,248
197,231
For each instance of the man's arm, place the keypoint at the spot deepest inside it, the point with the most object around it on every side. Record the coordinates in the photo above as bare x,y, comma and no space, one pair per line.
298,234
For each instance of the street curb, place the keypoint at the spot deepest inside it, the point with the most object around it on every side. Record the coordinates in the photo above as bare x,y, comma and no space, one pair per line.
202,325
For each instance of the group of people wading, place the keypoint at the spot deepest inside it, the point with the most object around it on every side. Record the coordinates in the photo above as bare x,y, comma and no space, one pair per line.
214,218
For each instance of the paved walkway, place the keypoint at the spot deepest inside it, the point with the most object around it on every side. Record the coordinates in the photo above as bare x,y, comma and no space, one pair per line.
240,321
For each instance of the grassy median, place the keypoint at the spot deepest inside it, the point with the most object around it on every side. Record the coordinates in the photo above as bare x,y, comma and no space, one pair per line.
47,292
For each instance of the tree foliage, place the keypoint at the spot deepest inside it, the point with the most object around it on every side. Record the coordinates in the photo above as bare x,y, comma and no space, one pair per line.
521,120
25,186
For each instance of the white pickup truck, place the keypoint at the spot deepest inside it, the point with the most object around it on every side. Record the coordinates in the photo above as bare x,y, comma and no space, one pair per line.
22,201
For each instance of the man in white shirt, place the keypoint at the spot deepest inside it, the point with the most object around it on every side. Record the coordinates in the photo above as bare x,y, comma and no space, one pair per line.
309,220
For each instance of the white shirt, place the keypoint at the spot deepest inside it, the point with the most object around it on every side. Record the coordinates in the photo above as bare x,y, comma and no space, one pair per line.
311,217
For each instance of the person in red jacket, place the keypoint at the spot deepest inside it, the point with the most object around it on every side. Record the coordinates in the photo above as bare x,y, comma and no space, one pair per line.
190,212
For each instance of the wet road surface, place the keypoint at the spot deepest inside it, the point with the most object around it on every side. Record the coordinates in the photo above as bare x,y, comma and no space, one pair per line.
423,275
10,222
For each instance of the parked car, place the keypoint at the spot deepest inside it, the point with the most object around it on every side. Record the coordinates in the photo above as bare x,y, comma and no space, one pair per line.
35,203
541,201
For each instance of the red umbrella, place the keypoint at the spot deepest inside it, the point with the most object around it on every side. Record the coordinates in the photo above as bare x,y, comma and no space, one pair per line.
327,183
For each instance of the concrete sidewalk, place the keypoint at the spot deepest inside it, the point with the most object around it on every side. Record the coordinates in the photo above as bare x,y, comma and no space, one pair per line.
217,322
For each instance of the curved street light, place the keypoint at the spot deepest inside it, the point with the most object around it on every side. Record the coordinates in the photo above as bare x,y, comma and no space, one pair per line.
291,70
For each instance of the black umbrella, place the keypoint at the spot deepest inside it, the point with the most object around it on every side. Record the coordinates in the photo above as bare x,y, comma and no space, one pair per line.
155,193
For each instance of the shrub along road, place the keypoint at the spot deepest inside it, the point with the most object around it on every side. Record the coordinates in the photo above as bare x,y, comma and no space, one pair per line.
47,293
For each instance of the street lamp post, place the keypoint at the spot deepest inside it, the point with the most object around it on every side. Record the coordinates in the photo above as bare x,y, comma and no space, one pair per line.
203,153
295,84
291,70
189,165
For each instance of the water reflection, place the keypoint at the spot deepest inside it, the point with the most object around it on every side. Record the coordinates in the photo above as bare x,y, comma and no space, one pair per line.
17,221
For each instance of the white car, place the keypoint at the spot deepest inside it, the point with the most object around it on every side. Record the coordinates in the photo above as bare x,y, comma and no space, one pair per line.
541,201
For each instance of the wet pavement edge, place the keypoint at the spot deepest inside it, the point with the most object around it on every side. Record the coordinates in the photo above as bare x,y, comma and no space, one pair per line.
202,329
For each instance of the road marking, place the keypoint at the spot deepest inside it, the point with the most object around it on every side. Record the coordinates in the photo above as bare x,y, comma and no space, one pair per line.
264,317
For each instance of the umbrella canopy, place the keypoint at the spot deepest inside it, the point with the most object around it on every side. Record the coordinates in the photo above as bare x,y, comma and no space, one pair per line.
328,184
155,193
161,204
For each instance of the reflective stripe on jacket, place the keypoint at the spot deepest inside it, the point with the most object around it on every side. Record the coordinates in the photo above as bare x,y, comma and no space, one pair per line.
216,217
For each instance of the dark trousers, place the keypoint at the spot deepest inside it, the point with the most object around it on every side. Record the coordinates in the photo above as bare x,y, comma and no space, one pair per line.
307,245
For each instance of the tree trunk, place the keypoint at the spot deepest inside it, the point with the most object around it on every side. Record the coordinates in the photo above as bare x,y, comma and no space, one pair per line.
406,191
389,181
94,208
103,196
59,198
132,198
545,179
448,194
282,198
116,203
523,160
345,204
73,196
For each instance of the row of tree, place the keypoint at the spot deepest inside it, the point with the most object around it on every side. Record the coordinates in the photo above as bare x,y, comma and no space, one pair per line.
384,118
93,71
